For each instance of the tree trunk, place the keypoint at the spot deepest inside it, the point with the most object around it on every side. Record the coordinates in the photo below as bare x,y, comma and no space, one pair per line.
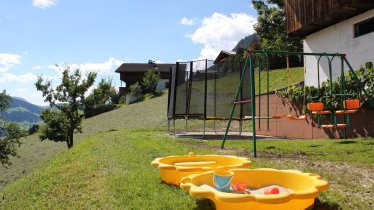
70,139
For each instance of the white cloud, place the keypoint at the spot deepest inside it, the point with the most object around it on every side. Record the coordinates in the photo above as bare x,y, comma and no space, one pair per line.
221,32
159,61
105,68
37,67
9,60
23,78
188,22
44,4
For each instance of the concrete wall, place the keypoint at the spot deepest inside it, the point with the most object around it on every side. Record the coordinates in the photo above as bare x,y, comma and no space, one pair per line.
130,99
308,129
338,38
161,85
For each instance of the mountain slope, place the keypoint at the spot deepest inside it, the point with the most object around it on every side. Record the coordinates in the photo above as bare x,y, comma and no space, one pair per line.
246,42
22,111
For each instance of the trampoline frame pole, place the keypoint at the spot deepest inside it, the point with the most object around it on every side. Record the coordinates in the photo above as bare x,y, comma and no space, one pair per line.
206,92
175,94
189,89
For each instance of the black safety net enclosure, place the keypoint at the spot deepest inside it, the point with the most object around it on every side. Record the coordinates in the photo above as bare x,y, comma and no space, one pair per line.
205,90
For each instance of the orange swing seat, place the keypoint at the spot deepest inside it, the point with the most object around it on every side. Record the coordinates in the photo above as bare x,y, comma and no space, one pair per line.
316,106
352,104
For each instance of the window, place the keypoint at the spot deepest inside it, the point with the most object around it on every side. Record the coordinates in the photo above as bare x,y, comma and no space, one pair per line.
364,27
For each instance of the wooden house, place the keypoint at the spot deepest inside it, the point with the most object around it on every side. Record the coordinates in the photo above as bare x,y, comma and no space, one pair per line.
130,73
343,26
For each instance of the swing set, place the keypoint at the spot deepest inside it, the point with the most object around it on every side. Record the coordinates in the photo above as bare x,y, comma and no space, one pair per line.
350,104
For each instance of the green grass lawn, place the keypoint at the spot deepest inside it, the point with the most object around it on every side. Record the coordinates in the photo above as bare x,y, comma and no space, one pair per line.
109,167
111,170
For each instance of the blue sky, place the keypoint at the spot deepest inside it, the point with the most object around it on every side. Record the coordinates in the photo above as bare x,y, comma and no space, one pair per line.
99,35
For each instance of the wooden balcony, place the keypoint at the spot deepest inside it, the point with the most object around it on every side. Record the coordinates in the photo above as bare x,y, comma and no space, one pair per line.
304,17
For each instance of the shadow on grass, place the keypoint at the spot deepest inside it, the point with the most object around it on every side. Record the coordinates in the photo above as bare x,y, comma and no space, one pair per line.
346,142
318,205
204,204
313,146
369,143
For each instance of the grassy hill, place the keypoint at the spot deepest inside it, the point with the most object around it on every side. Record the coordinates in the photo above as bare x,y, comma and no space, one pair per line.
33,152
109,167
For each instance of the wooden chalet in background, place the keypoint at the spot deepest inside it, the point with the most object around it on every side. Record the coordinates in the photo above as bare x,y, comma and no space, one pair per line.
130,73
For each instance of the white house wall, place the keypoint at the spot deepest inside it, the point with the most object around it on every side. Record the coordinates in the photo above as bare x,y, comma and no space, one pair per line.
338,38
162,84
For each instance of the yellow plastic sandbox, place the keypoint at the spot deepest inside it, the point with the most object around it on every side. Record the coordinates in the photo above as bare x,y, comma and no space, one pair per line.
305,187
173,168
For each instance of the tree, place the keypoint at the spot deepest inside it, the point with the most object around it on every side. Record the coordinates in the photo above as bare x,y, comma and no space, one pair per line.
11,133
99,98
4,101
33,129
150,80
271,26
67,98
115,96
135,90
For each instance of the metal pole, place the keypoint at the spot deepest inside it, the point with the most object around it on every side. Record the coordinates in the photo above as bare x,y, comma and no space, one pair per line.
259,92
318,76
175,94
241,98
295,53
267,90
370,100
206,92
215,101
234,105
253,97
332,116
169,91
189,90
342,75
205,87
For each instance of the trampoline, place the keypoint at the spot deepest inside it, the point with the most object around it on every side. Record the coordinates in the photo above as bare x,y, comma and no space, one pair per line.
204,90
